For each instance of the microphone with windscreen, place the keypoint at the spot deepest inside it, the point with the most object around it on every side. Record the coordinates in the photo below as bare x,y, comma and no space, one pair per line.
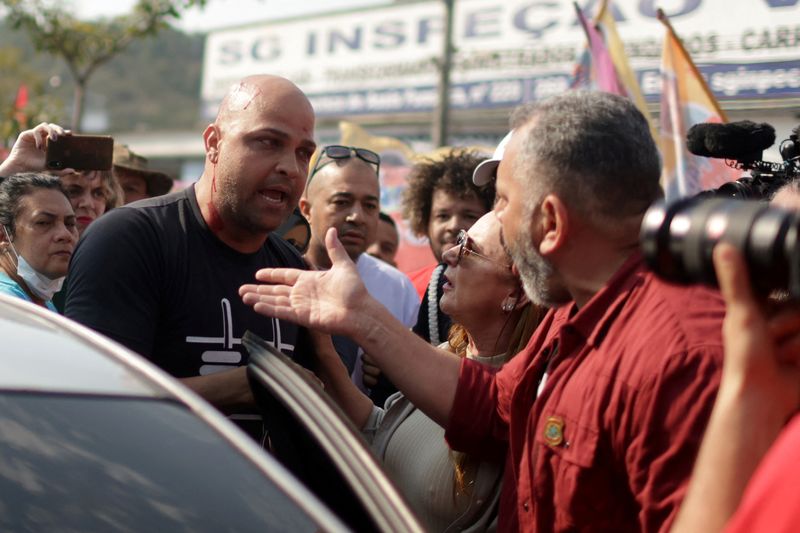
678,238
742,145
740,141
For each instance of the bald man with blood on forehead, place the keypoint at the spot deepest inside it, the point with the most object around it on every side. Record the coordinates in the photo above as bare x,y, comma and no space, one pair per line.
162,277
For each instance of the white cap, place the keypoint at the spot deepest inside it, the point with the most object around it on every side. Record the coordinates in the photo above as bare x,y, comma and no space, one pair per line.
487,170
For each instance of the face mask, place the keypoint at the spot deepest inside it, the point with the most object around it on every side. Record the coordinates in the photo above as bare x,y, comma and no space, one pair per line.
39,284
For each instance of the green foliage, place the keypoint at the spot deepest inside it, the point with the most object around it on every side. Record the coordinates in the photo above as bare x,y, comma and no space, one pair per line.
85,45
16,72
152,85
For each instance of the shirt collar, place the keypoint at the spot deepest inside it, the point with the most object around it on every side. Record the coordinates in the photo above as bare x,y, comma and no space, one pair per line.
594,318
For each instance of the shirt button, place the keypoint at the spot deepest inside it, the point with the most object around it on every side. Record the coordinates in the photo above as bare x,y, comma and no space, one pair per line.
525,506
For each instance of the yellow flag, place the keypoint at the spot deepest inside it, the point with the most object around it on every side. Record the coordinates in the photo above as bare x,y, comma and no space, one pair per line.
686,100
354,135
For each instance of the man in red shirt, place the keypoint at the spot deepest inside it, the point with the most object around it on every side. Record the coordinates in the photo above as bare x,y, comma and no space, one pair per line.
600,417
740,476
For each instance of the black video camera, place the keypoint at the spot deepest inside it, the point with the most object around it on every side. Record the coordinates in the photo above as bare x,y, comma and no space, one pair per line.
678,238
742,144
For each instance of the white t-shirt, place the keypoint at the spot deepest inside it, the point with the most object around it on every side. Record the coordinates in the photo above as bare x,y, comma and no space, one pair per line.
394,290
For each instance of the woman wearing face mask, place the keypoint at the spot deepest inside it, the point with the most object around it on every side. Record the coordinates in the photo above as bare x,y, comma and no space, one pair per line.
37,237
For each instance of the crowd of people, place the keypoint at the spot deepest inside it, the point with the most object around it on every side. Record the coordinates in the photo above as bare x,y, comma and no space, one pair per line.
536,377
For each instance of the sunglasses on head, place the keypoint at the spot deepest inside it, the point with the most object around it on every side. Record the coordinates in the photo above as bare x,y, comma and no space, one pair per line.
335,152
463,242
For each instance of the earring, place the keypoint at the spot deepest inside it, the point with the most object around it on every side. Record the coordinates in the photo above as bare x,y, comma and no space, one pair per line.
509,304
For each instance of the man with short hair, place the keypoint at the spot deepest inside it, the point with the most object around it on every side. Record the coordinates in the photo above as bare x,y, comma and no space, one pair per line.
161,276
601,415
137,180
387,240
343,192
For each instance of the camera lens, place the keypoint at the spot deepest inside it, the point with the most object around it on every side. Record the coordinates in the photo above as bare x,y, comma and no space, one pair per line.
678,239
741,189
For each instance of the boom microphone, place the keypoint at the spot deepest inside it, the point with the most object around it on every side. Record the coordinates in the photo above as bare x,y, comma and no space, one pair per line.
743,141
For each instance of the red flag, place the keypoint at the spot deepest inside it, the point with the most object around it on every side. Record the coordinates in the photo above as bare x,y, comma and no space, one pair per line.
22,97
20,103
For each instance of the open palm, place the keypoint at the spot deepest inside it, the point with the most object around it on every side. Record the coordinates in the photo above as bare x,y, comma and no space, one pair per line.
325,300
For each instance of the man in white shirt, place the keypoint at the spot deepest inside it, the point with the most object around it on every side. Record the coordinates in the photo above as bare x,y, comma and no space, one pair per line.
343,191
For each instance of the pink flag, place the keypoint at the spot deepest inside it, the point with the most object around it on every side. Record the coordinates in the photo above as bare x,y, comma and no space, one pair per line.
605,74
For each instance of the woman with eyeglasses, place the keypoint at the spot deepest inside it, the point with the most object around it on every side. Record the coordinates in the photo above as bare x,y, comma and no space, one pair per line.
493,320
37,237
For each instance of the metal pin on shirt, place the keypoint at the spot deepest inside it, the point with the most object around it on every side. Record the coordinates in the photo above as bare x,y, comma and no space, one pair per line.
554,431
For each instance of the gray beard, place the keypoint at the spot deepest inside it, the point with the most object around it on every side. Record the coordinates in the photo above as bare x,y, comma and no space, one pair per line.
538,275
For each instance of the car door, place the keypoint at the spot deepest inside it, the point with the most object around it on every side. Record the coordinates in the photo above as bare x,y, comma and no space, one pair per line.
311,436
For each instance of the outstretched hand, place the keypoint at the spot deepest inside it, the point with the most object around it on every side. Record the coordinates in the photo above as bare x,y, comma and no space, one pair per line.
330,300
28,152
762,350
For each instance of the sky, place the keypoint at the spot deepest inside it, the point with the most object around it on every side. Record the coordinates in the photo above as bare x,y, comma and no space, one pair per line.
225,13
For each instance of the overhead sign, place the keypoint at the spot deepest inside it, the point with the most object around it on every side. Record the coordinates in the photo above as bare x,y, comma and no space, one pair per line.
384,60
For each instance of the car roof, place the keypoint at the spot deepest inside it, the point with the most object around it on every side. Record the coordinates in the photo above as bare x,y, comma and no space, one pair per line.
44,352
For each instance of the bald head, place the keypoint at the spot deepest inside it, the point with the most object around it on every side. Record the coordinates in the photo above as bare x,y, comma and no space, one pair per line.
257,155
334,169
260,92
344,194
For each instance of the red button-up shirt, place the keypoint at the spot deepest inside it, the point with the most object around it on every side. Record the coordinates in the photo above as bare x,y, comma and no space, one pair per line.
610,442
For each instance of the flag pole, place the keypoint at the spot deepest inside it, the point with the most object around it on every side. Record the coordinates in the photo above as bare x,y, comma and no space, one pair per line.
662,17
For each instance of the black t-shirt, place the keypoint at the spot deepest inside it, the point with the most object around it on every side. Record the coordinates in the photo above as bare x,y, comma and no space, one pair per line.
153,277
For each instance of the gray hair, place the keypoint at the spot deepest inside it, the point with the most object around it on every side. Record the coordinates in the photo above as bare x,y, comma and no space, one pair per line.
593,149
16,187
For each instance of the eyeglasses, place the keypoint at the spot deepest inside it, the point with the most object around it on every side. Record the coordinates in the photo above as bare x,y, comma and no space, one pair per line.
336,152
464,242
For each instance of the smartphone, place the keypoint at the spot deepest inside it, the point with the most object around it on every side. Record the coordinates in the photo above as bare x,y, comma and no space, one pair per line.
80,152
296,231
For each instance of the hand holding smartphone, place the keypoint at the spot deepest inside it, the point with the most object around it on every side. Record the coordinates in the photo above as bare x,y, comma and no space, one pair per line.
80,152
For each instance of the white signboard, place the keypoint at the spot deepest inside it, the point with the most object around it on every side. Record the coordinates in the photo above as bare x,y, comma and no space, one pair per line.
383,60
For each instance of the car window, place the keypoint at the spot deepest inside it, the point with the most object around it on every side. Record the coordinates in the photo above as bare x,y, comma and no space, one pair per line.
94,463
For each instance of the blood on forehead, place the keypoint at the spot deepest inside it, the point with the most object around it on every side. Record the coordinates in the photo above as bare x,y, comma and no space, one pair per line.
241,96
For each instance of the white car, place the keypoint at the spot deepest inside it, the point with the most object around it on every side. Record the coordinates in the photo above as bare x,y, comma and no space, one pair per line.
95,438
